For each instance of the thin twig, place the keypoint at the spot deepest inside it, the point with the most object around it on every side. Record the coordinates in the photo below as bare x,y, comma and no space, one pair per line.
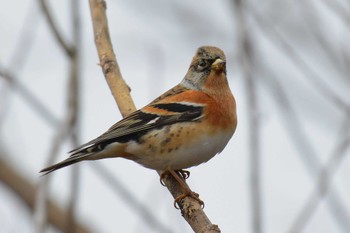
29,97
68,49
25,39
307,152
313,77
62,132
73,102
127,196
338,10
247,63
19,56
331,54
50,119
323,185
68,126
191,209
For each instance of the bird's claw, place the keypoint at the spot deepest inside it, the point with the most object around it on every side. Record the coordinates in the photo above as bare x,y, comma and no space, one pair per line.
184,174
190,194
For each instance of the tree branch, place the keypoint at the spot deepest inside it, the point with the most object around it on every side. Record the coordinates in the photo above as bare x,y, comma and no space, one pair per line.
115,185
108,62
323,184
139,207
69,124
303,143
29,97
284,45
190,208
27,192
53,26
247,63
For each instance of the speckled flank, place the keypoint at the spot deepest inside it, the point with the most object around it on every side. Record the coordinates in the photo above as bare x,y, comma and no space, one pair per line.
171,149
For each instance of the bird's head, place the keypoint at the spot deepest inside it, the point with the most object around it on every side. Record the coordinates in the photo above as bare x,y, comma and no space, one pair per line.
208,65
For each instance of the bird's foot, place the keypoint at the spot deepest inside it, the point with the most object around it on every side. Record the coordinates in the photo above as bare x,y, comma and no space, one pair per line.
180,176
189,194
162,177
183,173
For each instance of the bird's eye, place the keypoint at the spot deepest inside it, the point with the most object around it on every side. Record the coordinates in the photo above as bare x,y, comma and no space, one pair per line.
202,65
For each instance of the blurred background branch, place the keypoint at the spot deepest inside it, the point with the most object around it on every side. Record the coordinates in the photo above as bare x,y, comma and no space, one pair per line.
27,192
68,127
246,56
324,183
288,65
68,49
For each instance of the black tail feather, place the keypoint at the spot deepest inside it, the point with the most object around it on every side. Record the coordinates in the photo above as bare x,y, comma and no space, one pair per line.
64,163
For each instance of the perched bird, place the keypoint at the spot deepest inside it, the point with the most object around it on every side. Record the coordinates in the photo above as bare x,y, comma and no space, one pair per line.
184,127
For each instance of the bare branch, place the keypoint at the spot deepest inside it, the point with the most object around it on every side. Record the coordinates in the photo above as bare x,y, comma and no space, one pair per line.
50,119
73,102
128,197
323,184
62,133
331,54
283,44
67,127
53,26
26,39
108,62
29,97
303,144
191,209
340,11
69,124
27,192
247,63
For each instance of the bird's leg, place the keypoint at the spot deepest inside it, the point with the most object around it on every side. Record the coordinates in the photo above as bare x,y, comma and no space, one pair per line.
186,191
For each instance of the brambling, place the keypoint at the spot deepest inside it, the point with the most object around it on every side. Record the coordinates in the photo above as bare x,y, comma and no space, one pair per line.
186,126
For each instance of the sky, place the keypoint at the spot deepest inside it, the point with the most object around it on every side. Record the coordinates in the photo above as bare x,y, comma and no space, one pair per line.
154,42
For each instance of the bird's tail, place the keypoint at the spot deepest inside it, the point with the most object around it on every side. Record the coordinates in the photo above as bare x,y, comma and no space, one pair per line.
92,150
69,161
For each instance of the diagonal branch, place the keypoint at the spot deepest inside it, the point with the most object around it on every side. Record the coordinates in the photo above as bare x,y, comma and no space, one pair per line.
27,192
127,196
303,144
53,26
29,97
191,210
284,45
68,127
108,62
323,185
338,10
51,120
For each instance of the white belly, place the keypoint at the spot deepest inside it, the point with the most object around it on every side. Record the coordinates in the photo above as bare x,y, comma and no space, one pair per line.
184,156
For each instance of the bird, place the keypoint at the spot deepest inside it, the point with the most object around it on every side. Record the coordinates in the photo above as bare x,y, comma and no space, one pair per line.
184,127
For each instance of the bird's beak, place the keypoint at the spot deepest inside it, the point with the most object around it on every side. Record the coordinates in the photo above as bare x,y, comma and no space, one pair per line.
218,65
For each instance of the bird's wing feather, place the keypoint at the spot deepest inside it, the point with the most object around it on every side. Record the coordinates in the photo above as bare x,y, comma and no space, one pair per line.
140,122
